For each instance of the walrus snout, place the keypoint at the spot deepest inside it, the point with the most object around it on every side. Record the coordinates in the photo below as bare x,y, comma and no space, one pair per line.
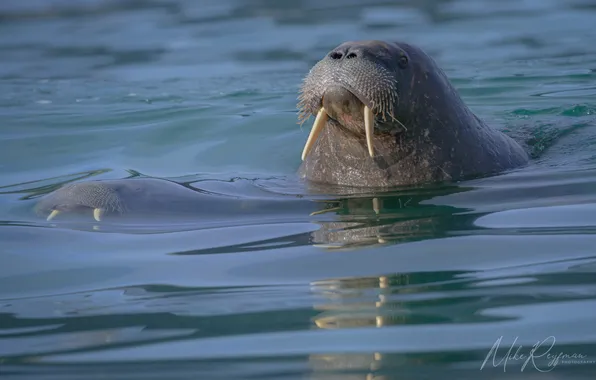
343,106
365,68
82,197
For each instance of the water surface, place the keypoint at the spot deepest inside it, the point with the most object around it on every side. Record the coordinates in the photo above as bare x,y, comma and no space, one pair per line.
408,283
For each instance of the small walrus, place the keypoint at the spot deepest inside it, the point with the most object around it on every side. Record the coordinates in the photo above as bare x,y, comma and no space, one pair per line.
386,115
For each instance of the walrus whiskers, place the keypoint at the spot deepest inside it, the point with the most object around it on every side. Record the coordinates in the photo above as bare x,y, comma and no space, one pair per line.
317,127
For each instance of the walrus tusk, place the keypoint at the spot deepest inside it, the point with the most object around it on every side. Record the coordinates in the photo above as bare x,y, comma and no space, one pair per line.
53,215
98,214
376,207
317,127
369,123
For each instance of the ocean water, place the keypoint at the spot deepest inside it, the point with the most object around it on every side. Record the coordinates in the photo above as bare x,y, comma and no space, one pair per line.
487,278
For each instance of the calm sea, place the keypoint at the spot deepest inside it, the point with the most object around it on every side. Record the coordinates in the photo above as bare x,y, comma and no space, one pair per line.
489,278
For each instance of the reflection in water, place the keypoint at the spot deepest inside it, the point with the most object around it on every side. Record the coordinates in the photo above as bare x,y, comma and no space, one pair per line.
444,298
149,321
361,303
390,218
350,306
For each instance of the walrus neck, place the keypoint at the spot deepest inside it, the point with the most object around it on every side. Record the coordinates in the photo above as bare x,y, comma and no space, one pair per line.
425,108
435,142
340,157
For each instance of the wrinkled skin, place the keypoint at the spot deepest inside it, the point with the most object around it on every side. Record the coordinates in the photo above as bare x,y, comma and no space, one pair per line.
423,133
423,130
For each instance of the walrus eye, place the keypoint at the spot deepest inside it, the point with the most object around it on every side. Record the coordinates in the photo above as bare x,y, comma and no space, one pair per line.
403,61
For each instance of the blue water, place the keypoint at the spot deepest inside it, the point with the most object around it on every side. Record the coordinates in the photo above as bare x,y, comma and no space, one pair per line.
203,93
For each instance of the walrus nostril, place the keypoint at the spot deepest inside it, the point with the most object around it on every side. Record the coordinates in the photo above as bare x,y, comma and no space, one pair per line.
351,55
335,55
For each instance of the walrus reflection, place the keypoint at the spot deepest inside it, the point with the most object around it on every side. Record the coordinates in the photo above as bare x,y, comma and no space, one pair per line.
356,221
345,308
397,301
358,303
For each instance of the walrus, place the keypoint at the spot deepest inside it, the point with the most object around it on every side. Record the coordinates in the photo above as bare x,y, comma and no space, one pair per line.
385,115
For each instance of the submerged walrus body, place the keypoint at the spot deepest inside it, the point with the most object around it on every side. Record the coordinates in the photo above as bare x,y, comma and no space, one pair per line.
386,115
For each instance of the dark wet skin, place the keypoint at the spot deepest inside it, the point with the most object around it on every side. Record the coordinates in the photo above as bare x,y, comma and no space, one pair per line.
423,133
423,130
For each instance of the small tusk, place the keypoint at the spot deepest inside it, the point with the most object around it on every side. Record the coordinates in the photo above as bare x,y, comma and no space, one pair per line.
98,214
369,124
53,215
317,127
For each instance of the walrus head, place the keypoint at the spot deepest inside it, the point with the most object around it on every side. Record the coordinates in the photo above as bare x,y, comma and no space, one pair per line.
357,85
386,115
